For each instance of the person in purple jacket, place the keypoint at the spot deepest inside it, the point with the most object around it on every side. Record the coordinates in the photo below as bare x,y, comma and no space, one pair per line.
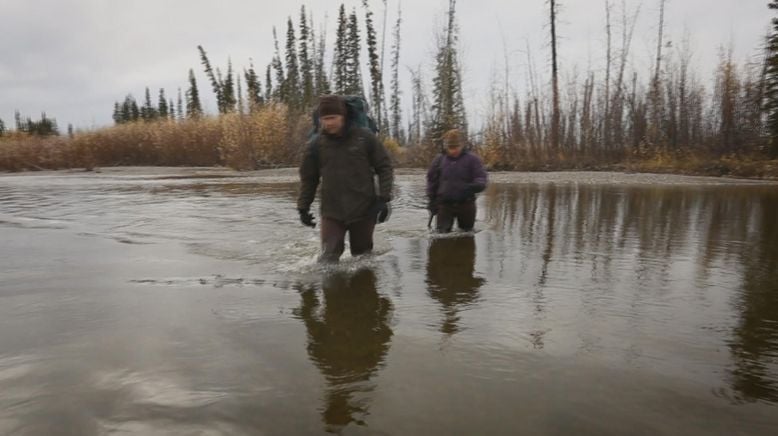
453,180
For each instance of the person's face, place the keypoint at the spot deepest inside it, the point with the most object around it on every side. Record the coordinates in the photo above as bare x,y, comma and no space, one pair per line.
332,124
454,151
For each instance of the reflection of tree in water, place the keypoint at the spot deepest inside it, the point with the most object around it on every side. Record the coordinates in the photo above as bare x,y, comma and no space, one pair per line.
755,342
730,230
450,280
348,338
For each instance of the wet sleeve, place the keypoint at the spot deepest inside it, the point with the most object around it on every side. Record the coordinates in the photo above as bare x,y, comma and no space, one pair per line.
382,165
433,177
309,177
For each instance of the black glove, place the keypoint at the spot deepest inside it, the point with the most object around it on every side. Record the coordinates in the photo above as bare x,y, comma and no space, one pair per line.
307,218
384,213
381,210
473,188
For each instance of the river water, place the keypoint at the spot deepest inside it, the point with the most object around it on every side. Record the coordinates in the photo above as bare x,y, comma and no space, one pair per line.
189,302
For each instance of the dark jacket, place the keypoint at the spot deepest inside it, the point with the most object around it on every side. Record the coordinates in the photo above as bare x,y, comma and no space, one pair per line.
451,180
345,166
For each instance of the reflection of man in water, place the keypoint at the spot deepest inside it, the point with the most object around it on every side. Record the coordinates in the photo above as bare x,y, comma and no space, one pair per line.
450,280
347,340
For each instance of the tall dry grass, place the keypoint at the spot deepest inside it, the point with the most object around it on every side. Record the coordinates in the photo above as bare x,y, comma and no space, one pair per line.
191,142
268,137
19,152
258,140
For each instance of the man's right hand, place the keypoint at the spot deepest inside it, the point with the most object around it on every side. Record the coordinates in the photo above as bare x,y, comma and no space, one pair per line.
306,218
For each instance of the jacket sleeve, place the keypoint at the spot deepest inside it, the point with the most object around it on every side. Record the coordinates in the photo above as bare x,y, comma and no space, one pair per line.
382,165
309,177
433,177
479,175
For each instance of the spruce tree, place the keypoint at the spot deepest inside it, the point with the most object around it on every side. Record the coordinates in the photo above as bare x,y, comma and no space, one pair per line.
239,92
127,112
179,105
162,106
134,110
193,107
47,126
374,64
117,113
341,53
306,61
228,90
172,110
253,88
148,112
216,80
2,127
448,111
278,69
291,86
313,52
146,106
353,67
269,83
771,86
321,83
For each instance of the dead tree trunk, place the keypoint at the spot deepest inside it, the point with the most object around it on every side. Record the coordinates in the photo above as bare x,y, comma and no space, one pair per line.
555,115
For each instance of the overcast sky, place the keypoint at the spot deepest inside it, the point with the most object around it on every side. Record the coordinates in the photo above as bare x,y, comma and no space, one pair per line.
74,58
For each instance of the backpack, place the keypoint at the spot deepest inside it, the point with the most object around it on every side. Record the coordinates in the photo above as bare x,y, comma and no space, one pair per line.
356,113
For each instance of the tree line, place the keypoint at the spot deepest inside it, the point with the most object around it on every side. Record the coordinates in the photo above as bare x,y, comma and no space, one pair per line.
599,115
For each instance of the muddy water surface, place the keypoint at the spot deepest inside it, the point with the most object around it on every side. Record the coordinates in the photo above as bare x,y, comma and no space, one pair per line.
188,301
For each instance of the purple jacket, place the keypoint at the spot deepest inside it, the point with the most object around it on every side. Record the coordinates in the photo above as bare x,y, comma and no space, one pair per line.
455,179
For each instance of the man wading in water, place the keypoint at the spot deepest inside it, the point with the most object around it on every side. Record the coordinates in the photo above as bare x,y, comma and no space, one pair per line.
453,179
344,157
